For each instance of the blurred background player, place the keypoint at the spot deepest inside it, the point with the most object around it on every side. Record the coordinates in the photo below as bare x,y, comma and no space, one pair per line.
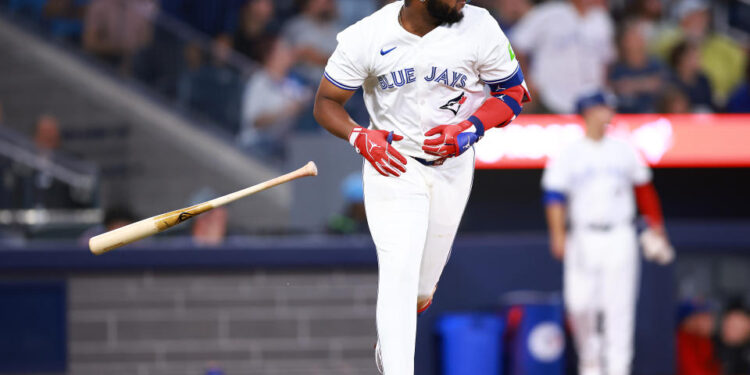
589,188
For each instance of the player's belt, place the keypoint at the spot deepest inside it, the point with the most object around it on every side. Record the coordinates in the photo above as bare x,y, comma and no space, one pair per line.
433,163
600,227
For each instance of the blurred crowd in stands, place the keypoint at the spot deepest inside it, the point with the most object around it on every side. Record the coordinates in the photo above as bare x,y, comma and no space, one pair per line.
711,341
252,66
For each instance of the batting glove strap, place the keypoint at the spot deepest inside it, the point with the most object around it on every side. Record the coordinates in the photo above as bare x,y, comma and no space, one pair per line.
452,140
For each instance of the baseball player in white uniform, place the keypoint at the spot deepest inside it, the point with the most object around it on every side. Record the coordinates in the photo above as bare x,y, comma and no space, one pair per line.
591,189
423,66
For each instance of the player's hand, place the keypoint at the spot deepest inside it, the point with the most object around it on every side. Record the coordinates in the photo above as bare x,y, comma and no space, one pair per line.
375,146
656,247
451,140
557,247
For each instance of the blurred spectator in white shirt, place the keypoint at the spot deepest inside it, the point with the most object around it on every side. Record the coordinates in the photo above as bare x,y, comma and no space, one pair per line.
312,35
568,46
272,103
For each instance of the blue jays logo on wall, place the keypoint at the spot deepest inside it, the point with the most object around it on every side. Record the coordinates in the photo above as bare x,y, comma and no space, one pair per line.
546,342
454,105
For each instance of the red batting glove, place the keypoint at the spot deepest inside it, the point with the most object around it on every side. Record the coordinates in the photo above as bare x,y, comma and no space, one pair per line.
451,140
375,146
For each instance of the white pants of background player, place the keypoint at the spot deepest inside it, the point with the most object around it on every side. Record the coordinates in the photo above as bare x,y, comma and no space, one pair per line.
600,287
413,220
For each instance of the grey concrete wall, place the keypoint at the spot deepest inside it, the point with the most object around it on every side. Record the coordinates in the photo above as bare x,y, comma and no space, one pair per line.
316,200
260,322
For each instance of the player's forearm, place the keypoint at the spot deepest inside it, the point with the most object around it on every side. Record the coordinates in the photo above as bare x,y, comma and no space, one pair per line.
501,108
556,221
333,117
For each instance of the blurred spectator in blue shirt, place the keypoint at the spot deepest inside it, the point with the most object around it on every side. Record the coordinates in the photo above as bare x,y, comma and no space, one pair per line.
636,77
673,100
312,35
688,76
739,101
214,88
115,30
256,23
272,103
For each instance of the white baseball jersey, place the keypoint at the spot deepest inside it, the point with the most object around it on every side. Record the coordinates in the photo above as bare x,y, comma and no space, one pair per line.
597,178
412,84
570,52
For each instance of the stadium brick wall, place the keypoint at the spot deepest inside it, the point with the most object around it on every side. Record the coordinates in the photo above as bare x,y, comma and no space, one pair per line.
259,322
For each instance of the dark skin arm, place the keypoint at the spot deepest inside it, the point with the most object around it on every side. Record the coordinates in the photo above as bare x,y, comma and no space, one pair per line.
329,109
556,224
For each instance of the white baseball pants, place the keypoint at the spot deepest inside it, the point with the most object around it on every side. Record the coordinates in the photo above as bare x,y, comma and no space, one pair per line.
413,220
600,287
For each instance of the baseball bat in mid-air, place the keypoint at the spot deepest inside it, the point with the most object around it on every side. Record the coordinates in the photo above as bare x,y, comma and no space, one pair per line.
148,227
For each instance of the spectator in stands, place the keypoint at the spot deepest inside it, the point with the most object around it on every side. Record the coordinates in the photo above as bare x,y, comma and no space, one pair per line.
509,12
695,347
673,100
734,340
720,57
43,189
214,88
739,101
637,78
688,76
353,219
209,228
569,44
256,23
47,134
649,14
312,35
114,30
272,102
